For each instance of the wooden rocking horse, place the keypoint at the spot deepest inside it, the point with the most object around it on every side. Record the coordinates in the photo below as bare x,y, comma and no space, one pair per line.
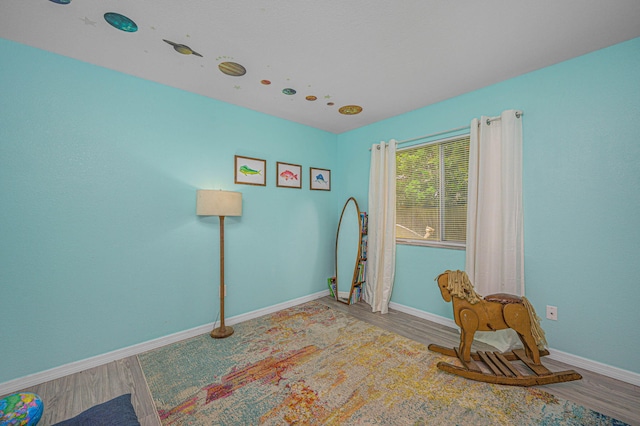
501,311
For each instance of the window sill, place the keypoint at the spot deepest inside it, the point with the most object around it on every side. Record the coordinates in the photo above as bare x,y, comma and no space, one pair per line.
434,244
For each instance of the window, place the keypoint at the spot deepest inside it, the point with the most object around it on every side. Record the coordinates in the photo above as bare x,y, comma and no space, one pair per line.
431,193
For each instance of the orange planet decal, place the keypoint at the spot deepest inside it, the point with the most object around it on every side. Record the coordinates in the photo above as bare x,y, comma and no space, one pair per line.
350,110
311,98
232,69
265,82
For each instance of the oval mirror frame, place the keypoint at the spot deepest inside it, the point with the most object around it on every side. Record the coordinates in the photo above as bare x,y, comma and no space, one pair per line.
347,254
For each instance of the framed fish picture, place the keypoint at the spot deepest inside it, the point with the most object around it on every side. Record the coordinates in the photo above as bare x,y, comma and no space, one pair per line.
319,179
288,175
250,171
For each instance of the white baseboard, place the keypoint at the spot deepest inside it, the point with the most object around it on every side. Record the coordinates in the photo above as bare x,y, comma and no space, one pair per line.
596,367
78,366
567,358
424,315
85,364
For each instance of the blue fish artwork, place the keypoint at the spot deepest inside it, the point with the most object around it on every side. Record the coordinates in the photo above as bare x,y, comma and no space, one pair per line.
320,179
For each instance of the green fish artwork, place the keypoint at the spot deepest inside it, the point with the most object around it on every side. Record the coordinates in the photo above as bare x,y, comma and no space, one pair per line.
245,170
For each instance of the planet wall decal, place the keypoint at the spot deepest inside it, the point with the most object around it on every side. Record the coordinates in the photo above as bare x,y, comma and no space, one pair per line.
350,110
182,48
265,82
289,91
232,69
61,1
311,98
120,22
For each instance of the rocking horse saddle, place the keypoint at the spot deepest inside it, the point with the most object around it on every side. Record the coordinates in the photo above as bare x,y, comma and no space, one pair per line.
503,298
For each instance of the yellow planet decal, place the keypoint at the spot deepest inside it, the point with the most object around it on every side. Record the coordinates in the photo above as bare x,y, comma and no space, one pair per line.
232,69
181,48
350,110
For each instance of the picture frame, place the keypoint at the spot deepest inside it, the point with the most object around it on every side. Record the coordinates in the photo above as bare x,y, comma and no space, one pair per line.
250,171
288,175
319,179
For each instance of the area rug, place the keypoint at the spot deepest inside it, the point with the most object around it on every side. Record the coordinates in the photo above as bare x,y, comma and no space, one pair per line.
313,365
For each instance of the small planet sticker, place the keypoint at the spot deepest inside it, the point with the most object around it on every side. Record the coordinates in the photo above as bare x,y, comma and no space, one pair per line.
61,1
311,98
120,22
289,91
181,48
265,82
232,69
350,110
330,103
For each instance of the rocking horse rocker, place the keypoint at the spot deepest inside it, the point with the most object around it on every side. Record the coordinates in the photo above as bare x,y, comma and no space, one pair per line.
495,312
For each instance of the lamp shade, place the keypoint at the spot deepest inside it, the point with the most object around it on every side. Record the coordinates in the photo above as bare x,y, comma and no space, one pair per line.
213,202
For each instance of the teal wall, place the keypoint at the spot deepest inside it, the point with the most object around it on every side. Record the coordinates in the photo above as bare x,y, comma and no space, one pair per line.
101,247
581,198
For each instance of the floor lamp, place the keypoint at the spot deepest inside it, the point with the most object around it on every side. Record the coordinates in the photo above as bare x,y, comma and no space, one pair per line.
219,203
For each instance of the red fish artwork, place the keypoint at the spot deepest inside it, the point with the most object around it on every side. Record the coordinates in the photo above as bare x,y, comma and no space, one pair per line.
287,174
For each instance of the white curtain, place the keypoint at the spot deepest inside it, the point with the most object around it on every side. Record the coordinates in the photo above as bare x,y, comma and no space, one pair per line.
495,245
381,255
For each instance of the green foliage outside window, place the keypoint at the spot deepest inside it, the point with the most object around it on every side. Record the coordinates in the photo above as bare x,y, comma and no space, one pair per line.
431,192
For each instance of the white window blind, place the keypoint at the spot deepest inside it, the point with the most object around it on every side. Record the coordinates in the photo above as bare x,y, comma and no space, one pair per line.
431,193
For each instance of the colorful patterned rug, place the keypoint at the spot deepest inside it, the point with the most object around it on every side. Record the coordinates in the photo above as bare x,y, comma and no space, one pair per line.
313,365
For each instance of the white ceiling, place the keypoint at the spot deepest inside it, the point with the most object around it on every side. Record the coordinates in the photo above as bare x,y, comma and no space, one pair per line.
387,56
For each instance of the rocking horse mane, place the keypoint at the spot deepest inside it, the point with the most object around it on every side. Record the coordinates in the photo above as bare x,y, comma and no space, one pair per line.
536,330
460,286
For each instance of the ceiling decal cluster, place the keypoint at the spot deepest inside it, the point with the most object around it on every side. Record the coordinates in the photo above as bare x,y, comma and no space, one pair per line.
351,63
233,69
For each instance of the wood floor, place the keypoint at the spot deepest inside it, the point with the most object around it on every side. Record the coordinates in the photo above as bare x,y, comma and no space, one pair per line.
69,396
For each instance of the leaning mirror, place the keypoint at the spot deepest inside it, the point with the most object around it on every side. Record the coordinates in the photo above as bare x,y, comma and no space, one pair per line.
347,250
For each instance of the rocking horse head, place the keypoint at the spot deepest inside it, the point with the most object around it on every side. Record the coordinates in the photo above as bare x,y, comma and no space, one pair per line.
457,284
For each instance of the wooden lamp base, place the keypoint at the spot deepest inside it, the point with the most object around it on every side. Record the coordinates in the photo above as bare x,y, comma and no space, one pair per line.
221,332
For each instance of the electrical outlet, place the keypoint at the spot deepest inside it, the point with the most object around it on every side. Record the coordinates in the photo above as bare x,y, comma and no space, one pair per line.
552,313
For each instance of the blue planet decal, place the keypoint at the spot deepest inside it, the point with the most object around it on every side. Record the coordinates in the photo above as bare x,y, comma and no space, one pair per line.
120,22
61,1
289,91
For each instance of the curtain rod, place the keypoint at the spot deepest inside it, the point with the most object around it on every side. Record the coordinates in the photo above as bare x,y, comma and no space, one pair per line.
434,134
489,120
